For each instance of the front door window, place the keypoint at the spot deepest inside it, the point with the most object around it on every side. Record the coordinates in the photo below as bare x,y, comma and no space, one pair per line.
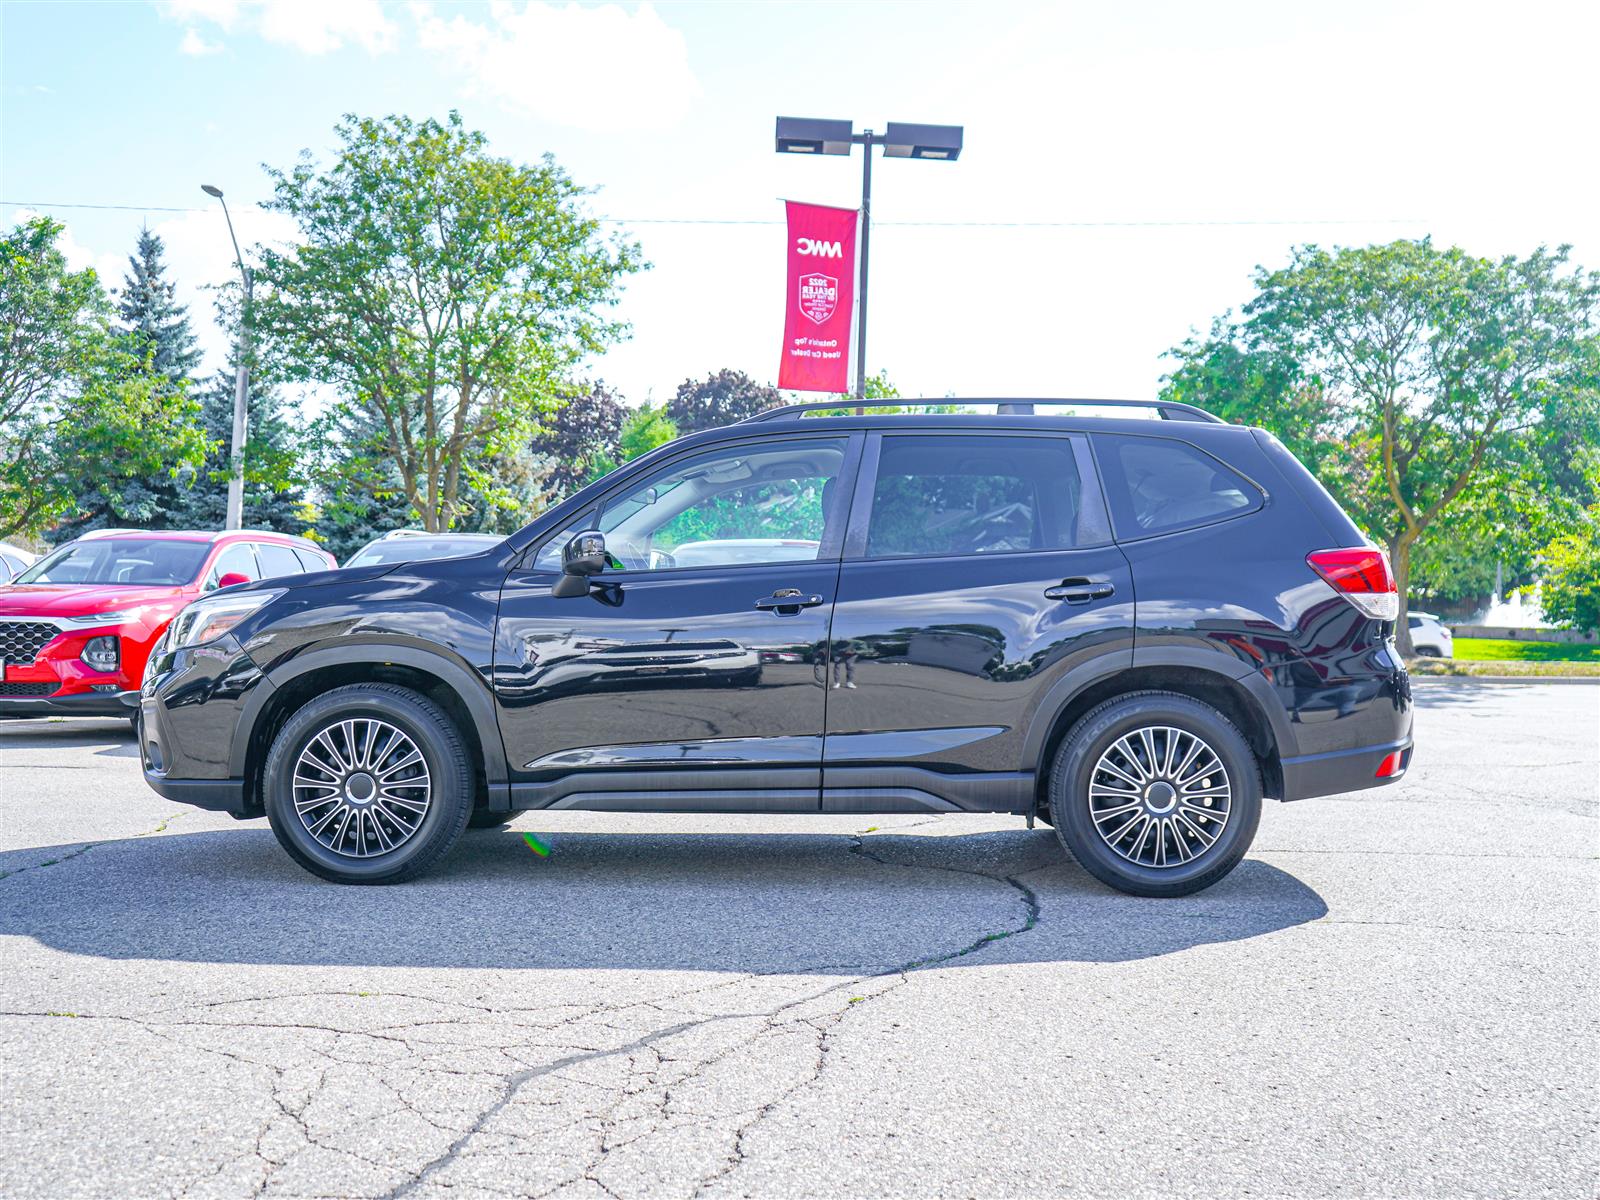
757,504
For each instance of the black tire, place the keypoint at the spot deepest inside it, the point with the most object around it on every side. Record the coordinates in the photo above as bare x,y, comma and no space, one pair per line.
1074,768
482,818
444,753
1428,652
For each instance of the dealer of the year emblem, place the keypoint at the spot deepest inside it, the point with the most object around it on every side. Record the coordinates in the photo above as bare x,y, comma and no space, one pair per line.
819,294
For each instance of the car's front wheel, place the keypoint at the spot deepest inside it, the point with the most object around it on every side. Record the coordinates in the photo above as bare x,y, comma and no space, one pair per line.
369,783
1156,794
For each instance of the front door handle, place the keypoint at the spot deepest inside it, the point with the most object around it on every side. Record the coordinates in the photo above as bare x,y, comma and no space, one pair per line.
788,601
1080,589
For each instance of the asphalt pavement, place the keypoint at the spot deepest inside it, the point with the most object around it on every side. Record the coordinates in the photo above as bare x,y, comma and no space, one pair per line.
1395,995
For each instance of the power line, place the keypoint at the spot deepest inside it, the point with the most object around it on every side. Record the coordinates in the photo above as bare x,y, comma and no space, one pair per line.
1165,224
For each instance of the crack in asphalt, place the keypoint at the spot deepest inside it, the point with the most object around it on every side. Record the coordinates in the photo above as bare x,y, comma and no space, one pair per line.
88,846
647,1103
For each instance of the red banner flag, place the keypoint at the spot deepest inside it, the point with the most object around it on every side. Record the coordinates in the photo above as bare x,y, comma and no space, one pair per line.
822,289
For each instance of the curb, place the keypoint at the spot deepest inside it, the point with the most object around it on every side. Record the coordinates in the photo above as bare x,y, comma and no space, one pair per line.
1521,680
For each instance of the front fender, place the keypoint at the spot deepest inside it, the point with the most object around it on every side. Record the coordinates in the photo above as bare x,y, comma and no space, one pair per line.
452,672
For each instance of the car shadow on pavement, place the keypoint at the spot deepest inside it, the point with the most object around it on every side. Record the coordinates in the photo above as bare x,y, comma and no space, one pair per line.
108,737
783,903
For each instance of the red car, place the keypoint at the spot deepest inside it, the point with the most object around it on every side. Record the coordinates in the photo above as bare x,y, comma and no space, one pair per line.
77,626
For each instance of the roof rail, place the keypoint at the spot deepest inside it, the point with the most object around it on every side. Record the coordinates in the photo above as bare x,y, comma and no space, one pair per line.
1169,410
278,533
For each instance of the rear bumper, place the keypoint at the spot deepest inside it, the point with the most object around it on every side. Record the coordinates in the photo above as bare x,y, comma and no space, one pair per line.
75,704
1343,770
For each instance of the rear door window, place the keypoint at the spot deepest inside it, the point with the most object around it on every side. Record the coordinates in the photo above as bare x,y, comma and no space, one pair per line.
277,560
1157,485
936,496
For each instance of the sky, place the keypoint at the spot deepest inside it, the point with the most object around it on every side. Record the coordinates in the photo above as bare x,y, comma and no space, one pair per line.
1126,166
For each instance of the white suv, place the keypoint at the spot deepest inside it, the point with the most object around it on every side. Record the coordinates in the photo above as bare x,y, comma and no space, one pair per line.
1430,637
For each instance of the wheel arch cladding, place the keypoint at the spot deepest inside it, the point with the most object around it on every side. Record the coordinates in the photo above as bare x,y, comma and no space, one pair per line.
1231,697
447,684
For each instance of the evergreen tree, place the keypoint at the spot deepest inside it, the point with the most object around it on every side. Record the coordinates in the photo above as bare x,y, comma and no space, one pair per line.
154,333
151,314
273,493
360,496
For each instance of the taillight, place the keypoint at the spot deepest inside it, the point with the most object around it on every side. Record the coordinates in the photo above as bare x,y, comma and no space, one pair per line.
1362,576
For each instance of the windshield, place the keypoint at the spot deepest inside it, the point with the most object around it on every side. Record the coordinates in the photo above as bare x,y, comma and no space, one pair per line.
416,549
121,562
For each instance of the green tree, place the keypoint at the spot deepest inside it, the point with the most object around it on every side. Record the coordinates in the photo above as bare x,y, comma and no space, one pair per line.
151,315
155,336
443,292
76,402
1407,377
1570,589
644,429
722,398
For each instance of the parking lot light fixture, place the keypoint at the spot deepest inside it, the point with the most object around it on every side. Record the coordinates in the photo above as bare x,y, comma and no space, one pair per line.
941,142
809,135
816,135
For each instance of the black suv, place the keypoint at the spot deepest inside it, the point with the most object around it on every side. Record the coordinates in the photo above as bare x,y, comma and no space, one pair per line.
1131,628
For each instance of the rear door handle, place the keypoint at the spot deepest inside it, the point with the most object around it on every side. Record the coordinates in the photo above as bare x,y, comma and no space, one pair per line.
1080,589
788,601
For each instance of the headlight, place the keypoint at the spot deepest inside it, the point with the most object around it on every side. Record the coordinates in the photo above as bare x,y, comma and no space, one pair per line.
207,620
104,618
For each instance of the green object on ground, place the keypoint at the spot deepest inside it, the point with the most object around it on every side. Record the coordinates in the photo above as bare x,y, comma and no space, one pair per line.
1501,650
536,845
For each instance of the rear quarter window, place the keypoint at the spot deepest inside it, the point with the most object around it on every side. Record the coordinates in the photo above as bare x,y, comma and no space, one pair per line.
1158,485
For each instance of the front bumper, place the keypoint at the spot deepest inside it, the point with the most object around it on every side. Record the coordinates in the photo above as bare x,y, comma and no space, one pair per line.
72,704
218,795
191,709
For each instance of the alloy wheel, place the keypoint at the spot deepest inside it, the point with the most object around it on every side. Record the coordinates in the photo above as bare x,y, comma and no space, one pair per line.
1159,796
361,787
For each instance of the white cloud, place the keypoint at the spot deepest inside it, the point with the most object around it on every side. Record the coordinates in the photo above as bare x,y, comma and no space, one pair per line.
79,256
196,45
310,26
591,68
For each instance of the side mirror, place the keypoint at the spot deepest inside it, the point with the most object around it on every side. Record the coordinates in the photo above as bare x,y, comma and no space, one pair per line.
232,579
583,556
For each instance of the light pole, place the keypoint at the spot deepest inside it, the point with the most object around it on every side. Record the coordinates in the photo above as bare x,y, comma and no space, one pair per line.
809,135
241,381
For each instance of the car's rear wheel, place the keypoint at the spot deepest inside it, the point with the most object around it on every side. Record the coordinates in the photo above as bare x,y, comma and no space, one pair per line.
1156,794
368,783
